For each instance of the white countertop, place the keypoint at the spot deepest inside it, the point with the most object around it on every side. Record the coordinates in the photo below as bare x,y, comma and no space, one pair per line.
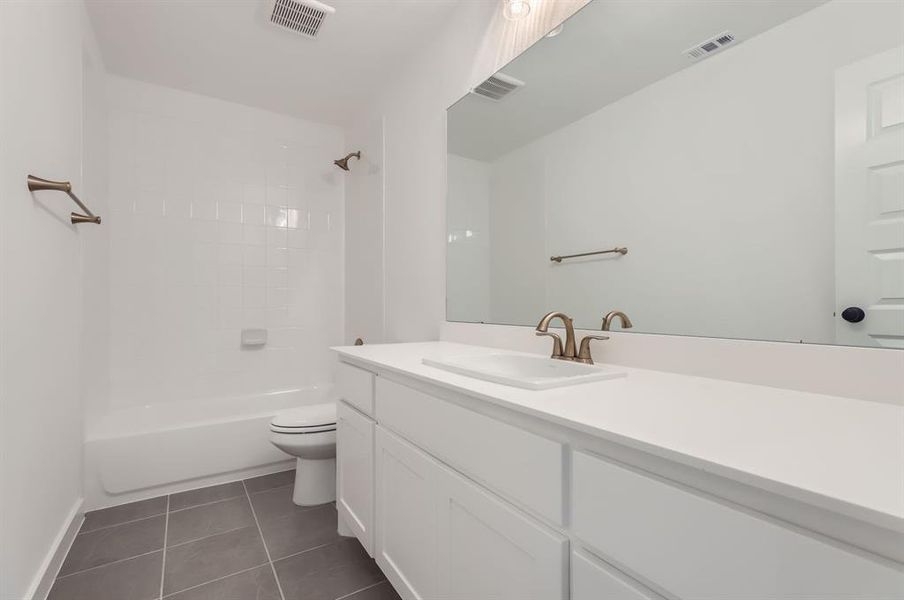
842,454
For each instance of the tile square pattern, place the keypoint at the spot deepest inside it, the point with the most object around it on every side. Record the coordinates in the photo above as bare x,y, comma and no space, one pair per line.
254,584
205,199
211,558
208,519
119,542
327,572
236,541
136,578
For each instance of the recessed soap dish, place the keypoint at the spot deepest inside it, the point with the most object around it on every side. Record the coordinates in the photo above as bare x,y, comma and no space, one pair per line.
254,337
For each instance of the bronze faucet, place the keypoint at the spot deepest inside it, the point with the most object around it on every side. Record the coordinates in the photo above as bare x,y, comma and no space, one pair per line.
557,351
568,352
625,321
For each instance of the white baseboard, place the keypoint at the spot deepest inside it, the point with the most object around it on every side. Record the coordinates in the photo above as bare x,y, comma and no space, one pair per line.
52,562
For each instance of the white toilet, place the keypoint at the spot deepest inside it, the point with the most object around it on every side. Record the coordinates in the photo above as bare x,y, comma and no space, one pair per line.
309,434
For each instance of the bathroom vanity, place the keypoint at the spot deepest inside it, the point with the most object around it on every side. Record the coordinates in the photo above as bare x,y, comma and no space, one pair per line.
652,485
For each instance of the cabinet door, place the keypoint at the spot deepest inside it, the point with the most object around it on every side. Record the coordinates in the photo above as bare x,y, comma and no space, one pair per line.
355,476
488,549
408,492
592,579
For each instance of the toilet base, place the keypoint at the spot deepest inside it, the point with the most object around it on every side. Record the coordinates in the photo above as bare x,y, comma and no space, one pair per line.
315,481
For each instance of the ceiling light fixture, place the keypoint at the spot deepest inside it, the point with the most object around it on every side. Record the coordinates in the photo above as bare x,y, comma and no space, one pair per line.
515,10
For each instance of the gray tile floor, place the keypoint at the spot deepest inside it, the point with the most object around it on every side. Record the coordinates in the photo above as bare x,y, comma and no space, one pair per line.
244,540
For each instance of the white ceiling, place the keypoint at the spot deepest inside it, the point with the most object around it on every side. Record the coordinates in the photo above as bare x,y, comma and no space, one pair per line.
227,49
606,51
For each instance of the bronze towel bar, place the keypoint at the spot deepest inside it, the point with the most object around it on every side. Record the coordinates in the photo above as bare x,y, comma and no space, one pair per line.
619,250
36,184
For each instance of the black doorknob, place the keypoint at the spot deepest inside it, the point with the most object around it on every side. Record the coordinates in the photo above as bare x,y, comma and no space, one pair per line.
853,314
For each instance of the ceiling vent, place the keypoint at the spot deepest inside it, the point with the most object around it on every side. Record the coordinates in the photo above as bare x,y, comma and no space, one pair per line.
300,16
498,86
711,46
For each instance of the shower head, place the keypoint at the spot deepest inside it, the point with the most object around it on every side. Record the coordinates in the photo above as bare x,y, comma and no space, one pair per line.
342,163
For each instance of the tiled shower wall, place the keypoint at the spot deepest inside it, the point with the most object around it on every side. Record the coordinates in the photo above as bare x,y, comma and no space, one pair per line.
222,217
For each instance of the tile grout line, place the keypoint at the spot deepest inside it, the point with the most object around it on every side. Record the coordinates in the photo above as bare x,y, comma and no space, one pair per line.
112,562
366,587
165,535
203,583
160,514
264,542
294,554
175,510
204,537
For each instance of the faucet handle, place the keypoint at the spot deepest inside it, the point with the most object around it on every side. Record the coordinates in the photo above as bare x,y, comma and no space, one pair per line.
557,342
584,352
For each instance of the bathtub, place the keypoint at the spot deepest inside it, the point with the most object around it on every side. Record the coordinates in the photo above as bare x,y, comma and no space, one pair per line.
145,451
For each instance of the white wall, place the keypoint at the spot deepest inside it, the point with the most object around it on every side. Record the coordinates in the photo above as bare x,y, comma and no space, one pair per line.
726,205
41,132
364,235
476,41
95,247
222,217
468,240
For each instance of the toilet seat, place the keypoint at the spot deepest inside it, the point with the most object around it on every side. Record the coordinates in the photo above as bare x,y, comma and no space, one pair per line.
316,418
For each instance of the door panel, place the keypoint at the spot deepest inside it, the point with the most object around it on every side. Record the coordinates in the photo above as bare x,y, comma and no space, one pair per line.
441,536
869,199
490,550
408,493
355,477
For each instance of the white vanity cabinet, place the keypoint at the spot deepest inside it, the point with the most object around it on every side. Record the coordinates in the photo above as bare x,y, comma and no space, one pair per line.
441,536
433,530
458,500
355,472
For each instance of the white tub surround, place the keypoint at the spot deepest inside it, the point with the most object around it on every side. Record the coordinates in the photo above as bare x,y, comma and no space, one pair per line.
658,483
185,445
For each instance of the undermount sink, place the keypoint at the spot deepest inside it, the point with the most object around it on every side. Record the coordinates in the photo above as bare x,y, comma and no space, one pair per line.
524,371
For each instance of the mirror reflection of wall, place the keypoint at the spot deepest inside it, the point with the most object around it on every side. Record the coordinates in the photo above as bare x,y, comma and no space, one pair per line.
737,181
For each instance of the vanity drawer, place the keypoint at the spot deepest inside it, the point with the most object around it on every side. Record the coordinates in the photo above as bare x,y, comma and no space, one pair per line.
696,547
592,579
356,386
522,466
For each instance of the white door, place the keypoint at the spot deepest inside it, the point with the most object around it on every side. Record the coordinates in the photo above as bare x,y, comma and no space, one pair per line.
408,493
355,473
869,201
488,550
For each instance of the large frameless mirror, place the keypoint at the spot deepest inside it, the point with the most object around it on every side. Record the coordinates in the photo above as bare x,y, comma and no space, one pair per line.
729,169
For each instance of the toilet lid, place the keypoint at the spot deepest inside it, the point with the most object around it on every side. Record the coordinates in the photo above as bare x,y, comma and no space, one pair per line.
320,416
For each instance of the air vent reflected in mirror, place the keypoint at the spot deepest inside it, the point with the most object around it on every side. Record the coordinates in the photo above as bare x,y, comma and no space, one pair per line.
498,86
711,46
